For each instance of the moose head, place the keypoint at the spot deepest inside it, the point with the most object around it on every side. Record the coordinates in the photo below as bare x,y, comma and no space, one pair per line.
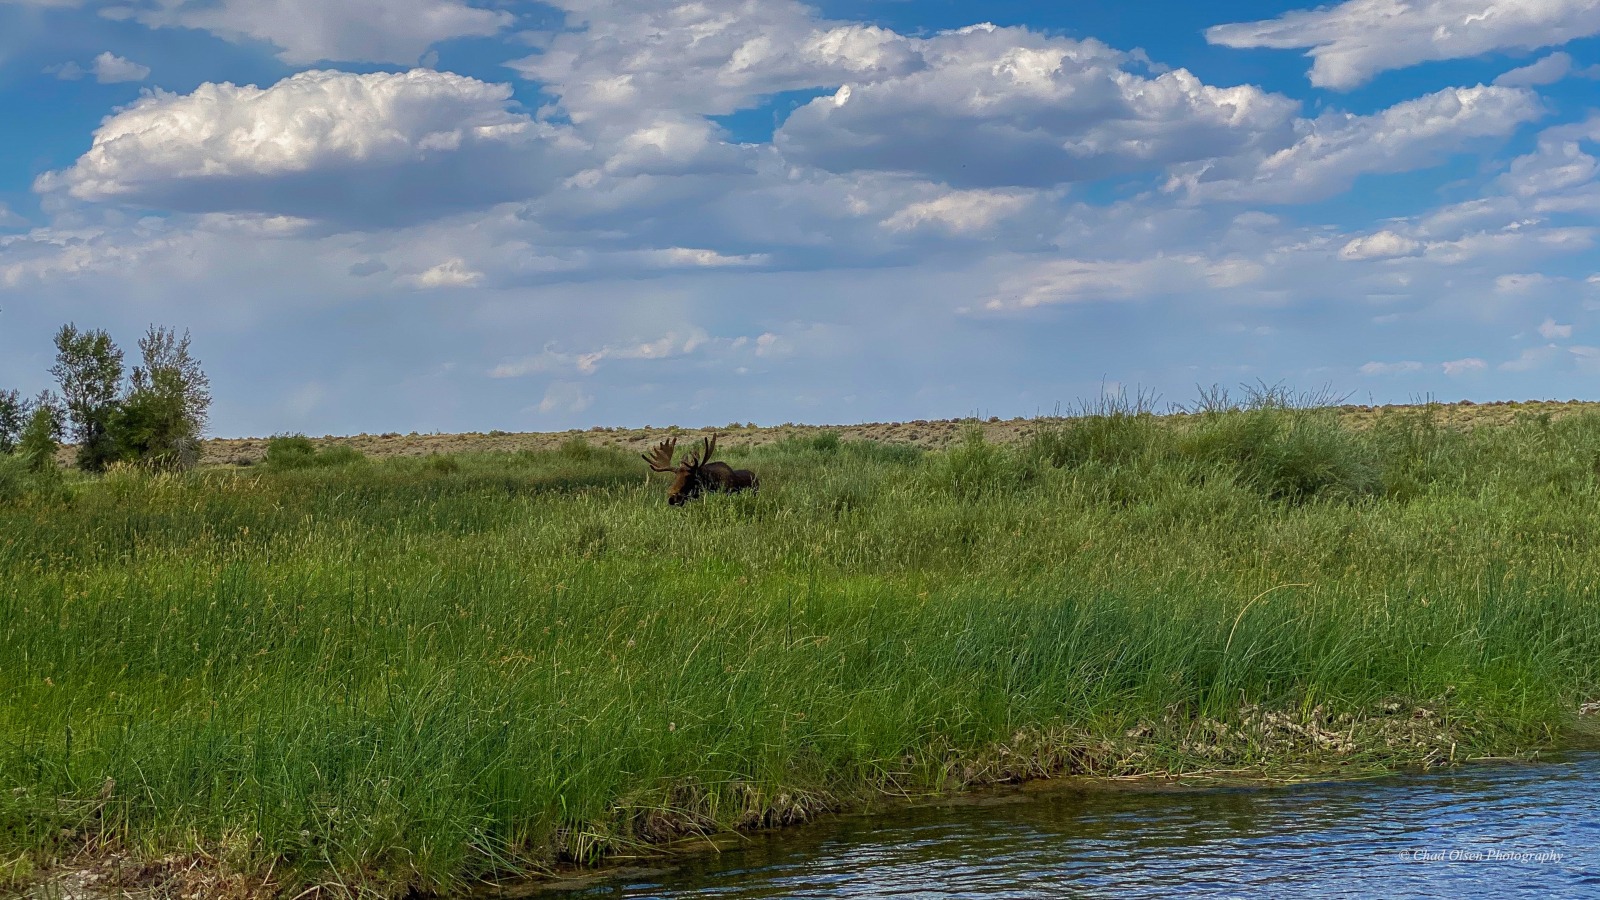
697,474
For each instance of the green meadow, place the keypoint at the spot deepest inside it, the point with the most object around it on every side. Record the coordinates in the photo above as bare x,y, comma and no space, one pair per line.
415,674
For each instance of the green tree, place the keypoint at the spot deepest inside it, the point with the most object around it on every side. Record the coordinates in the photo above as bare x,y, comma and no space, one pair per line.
162,418
14,413
89,369
41,437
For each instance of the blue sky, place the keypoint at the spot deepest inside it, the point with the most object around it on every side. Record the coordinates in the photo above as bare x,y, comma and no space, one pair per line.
451,215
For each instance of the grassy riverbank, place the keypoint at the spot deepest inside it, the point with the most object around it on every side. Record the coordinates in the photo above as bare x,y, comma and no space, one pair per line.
419,672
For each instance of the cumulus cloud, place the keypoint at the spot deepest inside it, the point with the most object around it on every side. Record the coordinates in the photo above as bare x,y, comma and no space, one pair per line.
309,31
1391,368
112,69
1459,367
553,359
1547,70
1332,150
1380,245
976,107
321,144
1555,166
671,145
959,212
1083,281
450,273
107,68
619,179
711,57
10,219
1550,331
1353,41
1006,106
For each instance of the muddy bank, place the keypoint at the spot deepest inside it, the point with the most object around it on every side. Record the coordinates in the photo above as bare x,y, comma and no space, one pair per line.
1258,748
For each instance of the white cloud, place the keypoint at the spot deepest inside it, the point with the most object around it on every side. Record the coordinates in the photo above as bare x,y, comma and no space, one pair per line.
1550,331
1332,150
1086,281
712,57
450,273
1459,367
309,31
1556,165
107,68
976,107
551,359
1006,106
565,397
1518,243
382,147
689,257
1520,282
353,188
1394,368
1548,70
1587,359
1353,41
958,212
112,69
10,219
1532,359
1380,245
669,145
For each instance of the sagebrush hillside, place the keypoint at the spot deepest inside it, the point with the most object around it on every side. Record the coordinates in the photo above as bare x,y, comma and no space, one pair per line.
926,434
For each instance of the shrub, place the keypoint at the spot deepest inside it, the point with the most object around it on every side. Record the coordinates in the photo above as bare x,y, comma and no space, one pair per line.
826,442
14,413
976,467
442,464
295,451
291,451
41,439
576,448
15,478
875,451
164,414
89,369
1284,453
340,455
1115,438
1417,451
1114,429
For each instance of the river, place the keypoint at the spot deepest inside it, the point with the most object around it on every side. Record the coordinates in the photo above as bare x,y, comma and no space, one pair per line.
1490,830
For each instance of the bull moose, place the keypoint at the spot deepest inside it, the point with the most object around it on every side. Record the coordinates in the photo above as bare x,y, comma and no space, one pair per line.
697,473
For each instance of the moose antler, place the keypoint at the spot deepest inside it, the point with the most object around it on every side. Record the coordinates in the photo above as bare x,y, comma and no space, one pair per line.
703,455
660,457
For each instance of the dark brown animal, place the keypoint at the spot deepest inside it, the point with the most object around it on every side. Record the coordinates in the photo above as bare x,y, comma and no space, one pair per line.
696,474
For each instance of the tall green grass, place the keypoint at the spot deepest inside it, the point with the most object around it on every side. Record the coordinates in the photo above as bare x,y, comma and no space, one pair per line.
417,672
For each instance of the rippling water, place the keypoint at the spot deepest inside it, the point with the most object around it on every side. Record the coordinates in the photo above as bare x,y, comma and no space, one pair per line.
1500,831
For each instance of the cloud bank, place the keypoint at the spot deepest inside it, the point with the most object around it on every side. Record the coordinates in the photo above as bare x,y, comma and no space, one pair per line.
1354,41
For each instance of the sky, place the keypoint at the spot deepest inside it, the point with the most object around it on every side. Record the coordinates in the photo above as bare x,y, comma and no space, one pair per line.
465,215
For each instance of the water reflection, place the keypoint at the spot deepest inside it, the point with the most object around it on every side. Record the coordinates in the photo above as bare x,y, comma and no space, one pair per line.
1503,831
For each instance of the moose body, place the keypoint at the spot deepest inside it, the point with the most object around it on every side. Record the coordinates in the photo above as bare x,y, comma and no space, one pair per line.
696,475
